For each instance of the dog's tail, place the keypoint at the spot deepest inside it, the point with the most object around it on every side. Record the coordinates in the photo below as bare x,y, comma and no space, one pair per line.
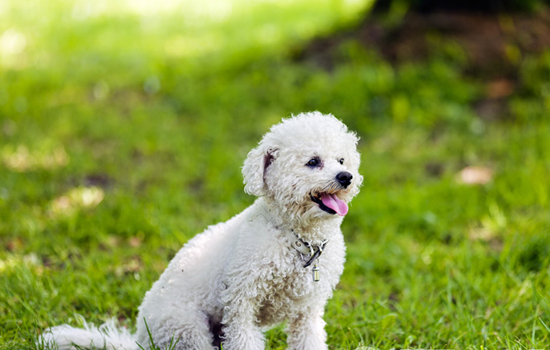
105,337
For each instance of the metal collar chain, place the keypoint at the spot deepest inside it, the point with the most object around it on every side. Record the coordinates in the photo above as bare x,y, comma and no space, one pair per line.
309,252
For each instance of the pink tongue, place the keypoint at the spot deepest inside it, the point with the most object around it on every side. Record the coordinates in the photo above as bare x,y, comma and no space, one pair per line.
335,203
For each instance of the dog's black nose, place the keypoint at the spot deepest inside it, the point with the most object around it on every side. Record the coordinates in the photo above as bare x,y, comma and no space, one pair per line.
344,178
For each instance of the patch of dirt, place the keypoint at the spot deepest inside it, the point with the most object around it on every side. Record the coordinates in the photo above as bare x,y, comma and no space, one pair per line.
493,45
490,41
98,179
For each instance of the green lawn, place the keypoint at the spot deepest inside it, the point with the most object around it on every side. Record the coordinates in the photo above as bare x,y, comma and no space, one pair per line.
123,129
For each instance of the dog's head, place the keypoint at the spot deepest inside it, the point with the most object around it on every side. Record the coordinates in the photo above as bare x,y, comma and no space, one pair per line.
308,165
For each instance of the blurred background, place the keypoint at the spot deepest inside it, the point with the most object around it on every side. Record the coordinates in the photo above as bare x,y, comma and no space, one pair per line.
124,125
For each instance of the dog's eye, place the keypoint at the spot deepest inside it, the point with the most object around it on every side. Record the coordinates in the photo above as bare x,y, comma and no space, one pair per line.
341,161
313,162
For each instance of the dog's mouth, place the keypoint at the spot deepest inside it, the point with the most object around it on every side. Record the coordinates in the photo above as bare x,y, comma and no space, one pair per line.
330,203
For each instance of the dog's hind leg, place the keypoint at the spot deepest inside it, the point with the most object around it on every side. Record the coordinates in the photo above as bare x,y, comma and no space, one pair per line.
187,328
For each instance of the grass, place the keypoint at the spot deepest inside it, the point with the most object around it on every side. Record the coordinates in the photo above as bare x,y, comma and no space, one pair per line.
123,130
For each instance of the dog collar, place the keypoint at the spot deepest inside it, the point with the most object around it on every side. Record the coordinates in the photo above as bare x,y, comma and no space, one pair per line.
309,252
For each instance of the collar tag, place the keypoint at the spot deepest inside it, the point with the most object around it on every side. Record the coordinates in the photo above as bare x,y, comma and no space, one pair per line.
309,252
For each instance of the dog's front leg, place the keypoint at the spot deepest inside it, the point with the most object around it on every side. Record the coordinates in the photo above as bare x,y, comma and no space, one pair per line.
306,331
241,331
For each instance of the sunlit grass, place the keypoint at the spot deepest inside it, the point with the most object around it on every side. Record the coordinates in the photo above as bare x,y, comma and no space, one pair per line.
168,29
20,159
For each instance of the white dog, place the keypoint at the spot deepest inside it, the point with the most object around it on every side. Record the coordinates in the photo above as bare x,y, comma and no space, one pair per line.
277,261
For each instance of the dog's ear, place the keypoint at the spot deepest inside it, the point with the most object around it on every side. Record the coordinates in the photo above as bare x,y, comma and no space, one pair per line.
254,168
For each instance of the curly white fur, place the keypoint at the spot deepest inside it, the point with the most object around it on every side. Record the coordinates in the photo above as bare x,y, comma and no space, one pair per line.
243,276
